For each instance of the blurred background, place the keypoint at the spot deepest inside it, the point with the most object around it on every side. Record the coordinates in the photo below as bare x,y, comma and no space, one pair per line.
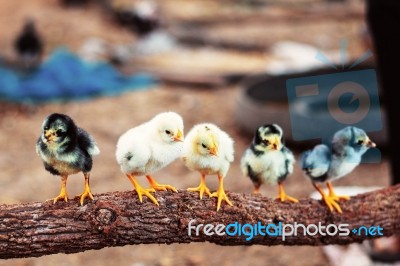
120,62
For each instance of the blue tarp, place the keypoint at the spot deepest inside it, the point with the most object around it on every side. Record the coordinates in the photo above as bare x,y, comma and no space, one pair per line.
65,76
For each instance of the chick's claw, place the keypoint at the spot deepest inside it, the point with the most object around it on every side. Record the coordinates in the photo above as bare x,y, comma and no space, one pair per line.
155,186
283,196
201,188
165,187
333,195
220,194
63,196
141,191
331,203
151,190
63,192
338,198
84,195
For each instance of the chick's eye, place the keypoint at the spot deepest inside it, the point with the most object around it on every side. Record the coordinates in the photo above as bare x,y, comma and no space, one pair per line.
59,132
266,142
360,142
168,132
203,145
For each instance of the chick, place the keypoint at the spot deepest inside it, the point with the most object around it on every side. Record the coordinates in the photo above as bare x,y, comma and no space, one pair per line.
209,150
324,164
66,149
267,159
29,45
147,148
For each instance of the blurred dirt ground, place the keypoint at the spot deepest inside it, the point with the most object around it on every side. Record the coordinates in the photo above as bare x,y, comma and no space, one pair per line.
23,178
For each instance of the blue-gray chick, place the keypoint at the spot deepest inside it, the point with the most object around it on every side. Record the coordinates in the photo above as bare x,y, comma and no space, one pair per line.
323,164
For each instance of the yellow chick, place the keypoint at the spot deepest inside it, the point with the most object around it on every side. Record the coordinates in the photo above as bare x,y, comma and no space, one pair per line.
147,148
208,150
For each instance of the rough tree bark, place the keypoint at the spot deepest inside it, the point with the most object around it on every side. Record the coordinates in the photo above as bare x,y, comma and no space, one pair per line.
118,219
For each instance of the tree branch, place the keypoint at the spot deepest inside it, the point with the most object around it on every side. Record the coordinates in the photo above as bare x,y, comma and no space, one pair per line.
118,219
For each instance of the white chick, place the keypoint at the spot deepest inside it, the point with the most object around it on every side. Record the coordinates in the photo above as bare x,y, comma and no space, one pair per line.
209,150
149,147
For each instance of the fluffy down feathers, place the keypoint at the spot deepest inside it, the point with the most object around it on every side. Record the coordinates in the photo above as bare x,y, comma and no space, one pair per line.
268,160
316,162
208,149
152,145
269,167
65,148
323,163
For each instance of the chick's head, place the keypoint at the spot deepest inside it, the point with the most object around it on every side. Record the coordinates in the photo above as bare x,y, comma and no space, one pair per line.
268,138
353,137
206,142
58,129
170,127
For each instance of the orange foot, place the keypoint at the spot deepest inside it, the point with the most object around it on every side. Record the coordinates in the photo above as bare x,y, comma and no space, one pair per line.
283,196
333,195
62,196
220,193
86,193
157,186
330,202
63,193
142,191
201,188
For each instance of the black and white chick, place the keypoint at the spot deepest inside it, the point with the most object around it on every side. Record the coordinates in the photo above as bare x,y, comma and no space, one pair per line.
209,150
28,46
66,149
268,160
325,164
148,147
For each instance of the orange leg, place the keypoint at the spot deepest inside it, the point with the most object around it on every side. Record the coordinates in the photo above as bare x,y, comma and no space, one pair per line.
220,193
256,189
283,196
86,193
331,203
157,186
201,188
333,195
140,190
63,193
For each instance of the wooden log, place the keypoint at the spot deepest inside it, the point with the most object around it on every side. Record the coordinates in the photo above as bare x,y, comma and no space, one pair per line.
118,219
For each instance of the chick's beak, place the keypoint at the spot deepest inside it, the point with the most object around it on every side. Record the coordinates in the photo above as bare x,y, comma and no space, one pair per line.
276,144
370,144
214,151
48,134
179,136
